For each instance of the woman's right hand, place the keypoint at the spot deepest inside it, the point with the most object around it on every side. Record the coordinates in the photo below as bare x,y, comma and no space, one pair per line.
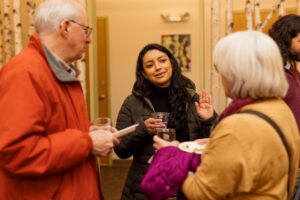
152,124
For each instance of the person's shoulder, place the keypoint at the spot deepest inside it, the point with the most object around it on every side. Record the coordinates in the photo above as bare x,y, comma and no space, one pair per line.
132,99
26,64
234,121
272,107
192,92
238,126
27,59
276,109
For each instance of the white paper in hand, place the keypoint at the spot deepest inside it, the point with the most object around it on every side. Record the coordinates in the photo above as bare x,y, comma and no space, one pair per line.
125,131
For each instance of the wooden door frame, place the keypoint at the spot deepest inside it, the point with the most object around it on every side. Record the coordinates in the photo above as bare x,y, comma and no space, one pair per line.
107,72
91,63
92,79
107,160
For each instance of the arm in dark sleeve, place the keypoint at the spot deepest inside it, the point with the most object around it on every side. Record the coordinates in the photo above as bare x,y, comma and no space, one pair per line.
131,143
207,124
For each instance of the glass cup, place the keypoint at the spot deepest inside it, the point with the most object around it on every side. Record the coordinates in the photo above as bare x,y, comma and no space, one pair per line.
164,116
102,122
167,134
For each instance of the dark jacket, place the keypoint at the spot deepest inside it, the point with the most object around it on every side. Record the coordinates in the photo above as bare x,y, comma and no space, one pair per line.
136,109
292,97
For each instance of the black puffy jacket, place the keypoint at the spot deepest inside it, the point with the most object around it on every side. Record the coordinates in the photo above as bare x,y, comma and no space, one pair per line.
136,109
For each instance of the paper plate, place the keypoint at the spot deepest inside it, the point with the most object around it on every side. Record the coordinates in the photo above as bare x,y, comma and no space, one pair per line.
192,147
125,131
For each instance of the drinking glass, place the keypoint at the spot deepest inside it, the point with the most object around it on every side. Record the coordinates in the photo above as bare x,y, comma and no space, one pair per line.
167,134
164,116
102,122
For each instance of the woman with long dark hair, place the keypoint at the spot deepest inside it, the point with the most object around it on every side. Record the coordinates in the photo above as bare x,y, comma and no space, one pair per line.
159,87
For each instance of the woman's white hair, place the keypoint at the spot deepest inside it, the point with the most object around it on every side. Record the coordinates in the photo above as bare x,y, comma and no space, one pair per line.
51,13
251,63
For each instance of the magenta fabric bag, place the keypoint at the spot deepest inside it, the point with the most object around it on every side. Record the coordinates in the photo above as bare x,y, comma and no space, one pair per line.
167,171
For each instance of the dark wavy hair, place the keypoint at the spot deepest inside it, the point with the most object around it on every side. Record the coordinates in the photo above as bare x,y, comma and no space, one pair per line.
283,31
179,98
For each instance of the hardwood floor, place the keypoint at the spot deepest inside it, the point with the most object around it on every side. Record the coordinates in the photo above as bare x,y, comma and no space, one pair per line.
113,178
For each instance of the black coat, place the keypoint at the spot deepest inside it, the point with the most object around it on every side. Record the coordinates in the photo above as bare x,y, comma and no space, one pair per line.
136,109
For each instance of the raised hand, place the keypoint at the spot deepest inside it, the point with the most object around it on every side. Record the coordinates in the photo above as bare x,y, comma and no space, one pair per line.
204,107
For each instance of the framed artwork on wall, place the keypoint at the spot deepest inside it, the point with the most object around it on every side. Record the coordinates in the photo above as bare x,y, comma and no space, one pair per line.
180,46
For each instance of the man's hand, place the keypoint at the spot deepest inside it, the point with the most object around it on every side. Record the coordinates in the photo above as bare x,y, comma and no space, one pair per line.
103,141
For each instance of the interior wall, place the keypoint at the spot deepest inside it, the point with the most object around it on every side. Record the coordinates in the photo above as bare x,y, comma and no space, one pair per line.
134,23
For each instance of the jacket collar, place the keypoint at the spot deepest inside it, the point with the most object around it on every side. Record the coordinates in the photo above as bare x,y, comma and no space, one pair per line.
57,66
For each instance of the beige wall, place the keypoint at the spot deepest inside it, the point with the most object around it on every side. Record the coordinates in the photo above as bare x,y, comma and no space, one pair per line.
264,4
134,23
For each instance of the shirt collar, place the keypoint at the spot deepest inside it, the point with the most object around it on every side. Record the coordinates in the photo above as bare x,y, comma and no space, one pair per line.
61,70
288,65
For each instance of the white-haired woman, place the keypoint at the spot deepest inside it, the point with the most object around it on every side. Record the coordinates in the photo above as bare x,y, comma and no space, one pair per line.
246,158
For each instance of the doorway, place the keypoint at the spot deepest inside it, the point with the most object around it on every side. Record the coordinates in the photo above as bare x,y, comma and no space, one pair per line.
102,74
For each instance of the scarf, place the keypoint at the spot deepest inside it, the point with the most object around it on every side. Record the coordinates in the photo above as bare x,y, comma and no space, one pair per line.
235,105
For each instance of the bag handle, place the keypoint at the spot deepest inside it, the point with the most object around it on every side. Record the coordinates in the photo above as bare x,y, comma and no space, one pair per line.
278,130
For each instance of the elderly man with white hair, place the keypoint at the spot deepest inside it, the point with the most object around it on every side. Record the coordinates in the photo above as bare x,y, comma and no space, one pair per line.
46,146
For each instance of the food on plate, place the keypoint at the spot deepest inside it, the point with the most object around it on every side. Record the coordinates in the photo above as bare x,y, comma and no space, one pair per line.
192,147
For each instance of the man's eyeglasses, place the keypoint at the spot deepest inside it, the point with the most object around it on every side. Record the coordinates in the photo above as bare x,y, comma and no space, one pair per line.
88,30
